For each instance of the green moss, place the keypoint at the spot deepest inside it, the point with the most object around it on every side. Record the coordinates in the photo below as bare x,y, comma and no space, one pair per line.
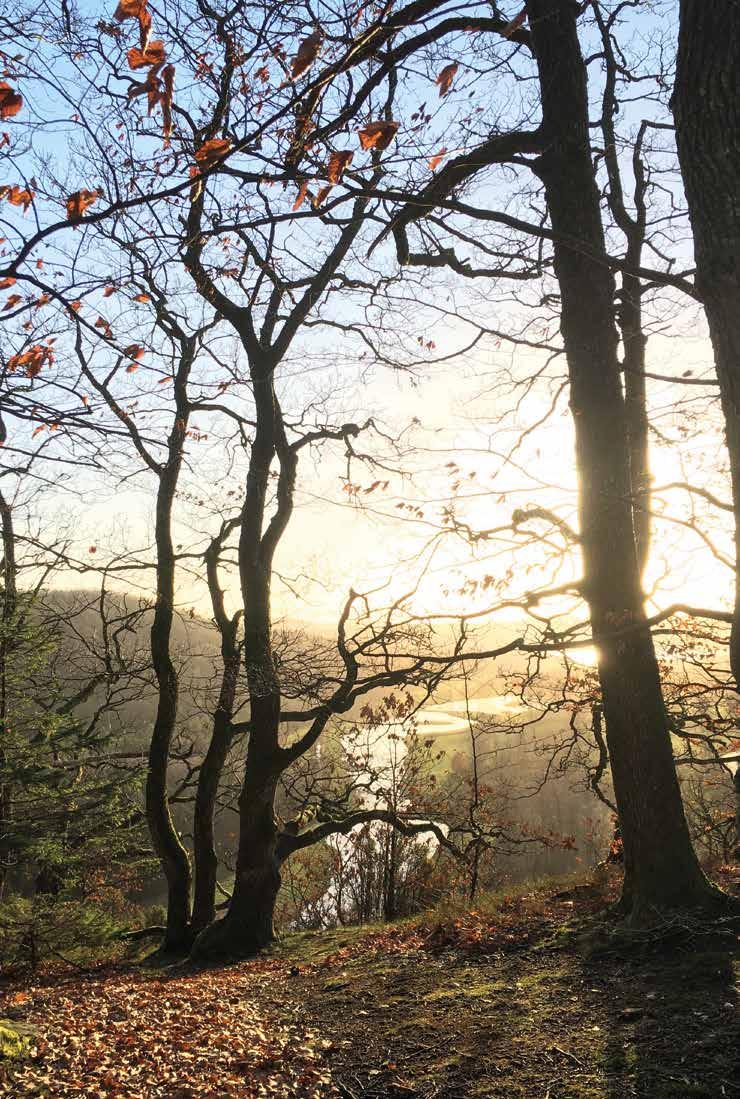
13,1044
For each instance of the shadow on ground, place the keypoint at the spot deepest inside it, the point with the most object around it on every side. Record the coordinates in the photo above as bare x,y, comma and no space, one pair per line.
559,1017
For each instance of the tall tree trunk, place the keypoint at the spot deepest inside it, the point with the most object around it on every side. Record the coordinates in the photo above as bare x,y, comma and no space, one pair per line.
204,847
10,595
247,926
706,107
661,868
166,842
209,778
629,313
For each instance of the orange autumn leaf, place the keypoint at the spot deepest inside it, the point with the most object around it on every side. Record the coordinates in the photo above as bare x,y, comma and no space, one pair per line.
151,88
12,302
34,367
514,24
109,290
132,368
17,196
302,192
323,192
136,9
308,51
36,431
133,351
129,9
338,161
445,78
212,151
79,202
7,282
11,101
154,54
142,297
377,135
33,359
145,27
436,160
75,306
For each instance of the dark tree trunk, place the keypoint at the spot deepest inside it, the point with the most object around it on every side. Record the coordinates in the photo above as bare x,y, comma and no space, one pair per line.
204,847
247,926
629,313
706,106
7,618
661,868
166,842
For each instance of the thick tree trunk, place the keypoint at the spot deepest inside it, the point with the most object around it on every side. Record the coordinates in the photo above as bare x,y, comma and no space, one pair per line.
706,106
661,868
247,926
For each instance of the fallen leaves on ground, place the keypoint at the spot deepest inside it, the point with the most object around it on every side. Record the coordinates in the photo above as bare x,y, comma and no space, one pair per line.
135,1035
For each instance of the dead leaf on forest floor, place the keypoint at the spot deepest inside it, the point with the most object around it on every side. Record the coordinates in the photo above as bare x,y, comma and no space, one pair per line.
139,1036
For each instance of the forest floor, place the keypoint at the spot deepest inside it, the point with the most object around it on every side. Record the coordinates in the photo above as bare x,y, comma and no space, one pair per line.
527,996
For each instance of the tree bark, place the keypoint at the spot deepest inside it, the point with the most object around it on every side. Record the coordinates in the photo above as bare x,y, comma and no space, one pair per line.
661,868
635,400
166,842
209,778
247,927
706,107
7,617
204,847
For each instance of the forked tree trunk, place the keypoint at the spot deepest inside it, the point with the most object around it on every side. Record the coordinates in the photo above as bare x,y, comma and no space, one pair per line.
247,926
661,868
706,106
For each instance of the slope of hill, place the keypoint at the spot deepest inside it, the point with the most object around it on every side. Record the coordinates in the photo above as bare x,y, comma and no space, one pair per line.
522,998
